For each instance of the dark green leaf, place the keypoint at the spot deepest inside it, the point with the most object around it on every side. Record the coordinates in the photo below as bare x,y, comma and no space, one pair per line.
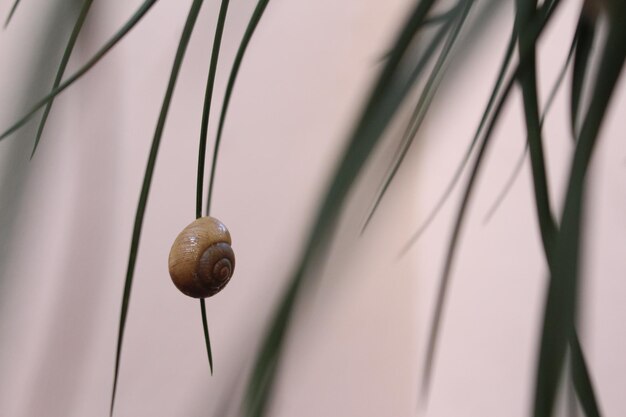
219,30
11,13
528,82
507,185
147,180
536,28
520,163
560,307
64,60
391,88
585,35
433,338
442,17
457,175
582,380
424,102
139,14
207,339
243,46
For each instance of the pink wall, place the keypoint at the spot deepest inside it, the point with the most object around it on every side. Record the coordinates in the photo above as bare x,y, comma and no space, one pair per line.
358,341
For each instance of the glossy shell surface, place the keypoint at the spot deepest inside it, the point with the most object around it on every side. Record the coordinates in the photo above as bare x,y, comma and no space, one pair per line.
201,260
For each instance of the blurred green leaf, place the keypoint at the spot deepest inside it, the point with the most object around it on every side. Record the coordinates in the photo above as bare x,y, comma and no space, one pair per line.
147,181
527,77
139,14
444,283
496,90
424,102
585,35
389,92
519,164
241,51
11,13
582,380
64,60
561,302
535,28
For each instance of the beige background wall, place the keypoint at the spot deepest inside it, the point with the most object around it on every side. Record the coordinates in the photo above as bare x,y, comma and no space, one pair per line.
358,340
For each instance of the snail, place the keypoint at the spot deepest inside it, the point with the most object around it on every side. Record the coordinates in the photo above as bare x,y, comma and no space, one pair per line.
201,260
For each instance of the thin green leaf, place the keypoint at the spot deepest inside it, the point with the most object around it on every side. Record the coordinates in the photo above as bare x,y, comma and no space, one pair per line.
560,307
520,162
139,14
389,92
582,380
208,95
64,60
433,338
217,40
241,51
11,13
527,78
147,180
207,339
583,386
537,25
548,226
443,16
585,34
508,185
481,125
424,102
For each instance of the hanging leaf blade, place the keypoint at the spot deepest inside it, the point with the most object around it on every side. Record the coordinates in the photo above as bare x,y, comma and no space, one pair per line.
118,36
62,66
147,181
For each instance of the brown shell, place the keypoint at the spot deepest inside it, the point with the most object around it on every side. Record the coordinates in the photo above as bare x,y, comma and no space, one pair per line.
201,260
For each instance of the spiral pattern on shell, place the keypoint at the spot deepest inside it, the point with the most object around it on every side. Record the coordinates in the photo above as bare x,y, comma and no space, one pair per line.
202,260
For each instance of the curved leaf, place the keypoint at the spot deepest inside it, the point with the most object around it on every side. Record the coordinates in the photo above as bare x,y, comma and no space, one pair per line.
423,104
64,60
139,14
536,27
241,51
520,162
389,91
11,13
508,55
560,307
585,35
147,181
219,30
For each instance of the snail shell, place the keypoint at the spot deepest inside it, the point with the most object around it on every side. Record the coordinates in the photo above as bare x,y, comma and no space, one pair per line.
201,260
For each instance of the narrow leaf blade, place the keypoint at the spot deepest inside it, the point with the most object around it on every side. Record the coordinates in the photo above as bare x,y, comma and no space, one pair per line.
64,61
234,72
11,13
119,35
147,181
389,91
219,30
